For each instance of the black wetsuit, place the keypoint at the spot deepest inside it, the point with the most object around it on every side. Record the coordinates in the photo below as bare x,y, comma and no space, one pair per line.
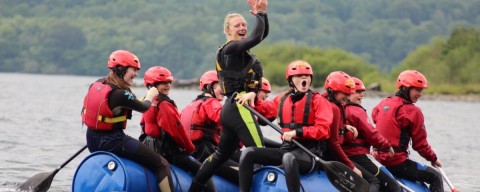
115,140
238,124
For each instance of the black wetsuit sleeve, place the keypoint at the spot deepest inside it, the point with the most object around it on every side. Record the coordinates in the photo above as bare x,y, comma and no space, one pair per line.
260,31
267,28
121,98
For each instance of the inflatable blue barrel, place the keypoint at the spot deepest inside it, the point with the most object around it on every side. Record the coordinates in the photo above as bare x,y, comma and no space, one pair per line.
104,171
415,186
270,178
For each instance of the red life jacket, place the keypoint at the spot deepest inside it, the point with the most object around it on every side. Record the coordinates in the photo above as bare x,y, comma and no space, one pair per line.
96,114
388,126
196,125
292,117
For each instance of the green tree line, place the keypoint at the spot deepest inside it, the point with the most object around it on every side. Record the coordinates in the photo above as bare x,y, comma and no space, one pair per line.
450,65
370,39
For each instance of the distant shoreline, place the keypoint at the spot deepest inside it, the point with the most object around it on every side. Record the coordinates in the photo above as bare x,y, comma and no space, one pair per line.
439,97
381,94
192,84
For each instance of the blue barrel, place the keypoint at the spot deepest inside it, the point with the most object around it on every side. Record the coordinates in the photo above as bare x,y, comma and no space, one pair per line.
414,185
270,178
104,171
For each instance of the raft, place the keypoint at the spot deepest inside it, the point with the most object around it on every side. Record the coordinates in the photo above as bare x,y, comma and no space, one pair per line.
270,178
104,171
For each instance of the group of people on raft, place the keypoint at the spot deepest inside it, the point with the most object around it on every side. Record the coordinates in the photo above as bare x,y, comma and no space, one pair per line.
209,138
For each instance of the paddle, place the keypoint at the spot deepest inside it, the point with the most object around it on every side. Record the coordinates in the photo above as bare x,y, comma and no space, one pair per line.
340,175
447,180
41,182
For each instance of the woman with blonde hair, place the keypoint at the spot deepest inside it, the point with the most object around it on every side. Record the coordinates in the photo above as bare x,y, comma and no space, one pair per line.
239,72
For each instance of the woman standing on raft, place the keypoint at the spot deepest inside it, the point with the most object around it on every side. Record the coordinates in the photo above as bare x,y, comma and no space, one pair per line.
239,72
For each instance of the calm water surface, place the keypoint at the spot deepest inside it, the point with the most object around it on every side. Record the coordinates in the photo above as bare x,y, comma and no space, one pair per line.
40,128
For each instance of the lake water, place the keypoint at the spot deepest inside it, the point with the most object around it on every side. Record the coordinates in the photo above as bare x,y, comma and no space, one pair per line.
40,128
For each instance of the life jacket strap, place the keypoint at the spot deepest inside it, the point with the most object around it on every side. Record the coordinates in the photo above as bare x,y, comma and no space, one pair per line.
396,149
356,145
112,120
209,130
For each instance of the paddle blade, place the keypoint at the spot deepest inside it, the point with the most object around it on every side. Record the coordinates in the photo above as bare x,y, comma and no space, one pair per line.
344,178
38,183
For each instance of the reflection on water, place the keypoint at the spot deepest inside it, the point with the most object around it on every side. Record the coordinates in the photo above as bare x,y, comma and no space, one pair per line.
40,129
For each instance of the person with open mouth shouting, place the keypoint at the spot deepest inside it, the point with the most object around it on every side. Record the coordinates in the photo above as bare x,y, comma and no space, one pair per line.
305,116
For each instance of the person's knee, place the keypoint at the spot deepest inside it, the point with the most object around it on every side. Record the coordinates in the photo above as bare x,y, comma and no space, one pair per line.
436,176
219,155
288,160
247,153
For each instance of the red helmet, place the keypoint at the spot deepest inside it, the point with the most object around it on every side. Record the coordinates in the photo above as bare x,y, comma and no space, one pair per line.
123,58
157,74
298,67
266,85
359,86
340,81
412,78
208,78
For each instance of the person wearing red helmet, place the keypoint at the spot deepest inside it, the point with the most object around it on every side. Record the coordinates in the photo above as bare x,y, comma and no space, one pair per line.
339,86
163,127
401,122
356,147
264,90
107,106
303,115
201,118
239,73
201,121
262,94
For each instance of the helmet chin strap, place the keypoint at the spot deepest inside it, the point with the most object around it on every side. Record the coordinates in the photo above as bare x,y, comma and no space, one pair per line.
209,89
290,83
331,95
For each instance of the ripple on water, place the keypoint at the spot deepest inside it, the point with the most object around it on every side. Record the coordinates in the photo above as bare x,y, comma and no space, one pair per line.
9,187
5,119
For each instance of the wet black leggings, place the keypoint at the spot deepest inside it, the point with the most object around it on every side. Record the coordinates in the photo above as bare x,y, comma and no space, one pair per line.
154,162
238,124
417,172
189,164
294,162
204,149
374,183
386,182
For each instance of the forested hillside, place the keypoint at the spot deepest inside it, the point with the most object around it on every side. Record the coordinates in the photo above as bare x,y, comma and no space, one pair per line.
75,37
